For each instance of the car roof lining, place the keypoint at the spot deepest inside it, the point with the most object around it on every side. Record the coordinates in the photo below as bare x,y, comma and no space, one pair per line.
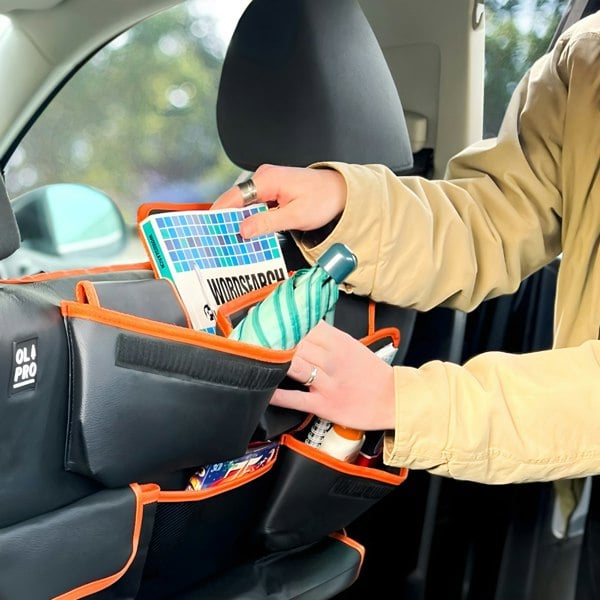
7,6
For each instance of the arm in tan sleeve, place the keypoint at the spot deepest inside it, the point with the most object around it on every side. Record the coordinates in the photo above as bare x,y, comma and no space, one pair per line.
501,417
421,243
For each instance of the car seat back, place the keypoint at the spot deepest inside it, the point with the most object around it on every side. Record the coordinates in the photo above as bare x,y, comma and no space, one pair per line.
306,81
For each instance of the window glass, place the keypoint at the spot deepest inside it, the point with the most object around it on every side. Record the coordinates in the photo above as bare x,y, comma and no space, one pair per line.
517,33
95,219
138,120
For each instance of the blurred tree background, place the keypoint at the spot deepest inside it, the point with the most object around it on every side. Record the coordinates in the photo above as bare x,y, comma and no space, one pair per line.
517,32
139,120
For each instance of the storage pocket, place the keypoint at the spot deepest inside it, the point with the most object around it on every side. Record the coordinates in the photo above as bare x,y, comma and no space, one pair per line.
317,571
154,299
315,494
76,550
148,398
199,534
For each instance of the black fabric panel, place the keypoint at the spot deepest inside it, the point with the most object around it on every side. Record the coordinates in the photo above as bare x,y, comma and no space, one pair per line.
195,540
33,419
154,299
62,550
588,579
310,499
127,587
519,322
352,316
174,406
315,572
304,81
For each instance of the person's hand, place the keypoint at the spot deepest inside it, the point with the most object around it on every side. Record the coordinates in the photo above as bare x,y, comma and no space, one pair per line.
301,198
353,386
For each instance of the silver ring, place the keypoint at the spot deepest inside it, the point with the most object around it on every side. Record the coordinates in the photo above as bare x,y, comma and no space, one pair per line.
249,193
311,377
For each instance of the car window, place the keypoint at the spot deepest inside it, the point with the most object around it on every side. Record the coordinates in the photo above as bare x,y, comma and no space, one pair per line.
138,120
517,33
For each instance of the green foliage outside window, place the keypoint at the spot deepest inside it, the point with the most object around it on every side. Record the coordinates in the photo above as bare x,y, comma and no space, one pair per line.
517,33
138,116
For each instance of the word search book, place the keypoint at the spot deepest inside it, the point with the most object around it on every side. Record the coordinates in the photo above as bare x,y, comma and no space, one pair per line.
202,252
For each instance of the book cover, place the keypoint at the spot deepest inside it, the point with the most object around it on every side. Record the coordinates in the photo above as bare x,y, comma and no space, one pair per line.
208,261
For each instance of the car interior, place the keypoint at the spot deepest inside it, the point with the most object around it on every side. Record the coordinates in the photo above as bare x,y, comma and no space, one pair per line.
109,398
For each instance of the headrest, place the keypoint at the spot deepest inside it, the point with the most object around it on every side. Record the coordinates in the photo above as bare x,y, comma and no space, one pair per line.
10,239
305,81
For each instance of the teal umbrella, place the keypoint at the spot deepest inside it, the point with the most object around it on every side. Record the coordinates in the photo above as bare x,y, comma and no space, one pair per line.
297,304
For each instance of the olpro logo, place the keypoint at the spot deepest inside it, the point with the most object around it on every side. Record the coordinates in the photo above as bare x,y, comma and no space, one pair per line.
25,366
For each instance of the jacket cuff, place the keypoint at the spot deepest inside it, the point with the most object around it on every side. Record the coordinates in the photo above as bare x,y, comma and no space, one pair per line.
422,418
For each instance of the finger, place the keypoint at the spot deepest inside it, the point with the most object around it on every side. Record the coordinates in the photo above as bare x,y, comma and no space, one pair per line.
260,224
307,357
263,180
297,400
318,344
231,198
300,369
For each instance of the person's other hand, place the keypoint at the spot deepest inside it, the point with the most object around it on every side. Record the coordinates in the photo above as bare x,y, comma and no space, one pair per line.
301,198
353,386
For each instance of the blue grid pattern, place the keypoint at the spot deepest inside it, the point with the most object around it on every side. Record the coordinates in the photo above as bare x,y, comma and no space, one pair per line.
212,240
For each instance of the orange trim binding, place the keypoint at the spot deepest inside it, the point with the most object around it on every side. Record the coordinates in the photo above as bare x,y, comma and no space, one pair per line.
85,293
141,266
309,417
348,541
219,488
371,313
391,332
148,208
340,465
174,333
144,494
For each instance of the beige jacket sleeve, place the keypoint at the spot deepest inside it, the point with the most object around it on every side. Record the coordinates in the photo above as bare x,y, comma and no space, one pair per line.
457,242
495,220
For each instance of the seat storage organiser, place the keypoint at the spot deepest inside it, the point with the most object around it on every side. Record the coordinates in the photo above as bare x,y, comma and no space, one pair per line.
200,534
314,493
124,402
304,572
35,553
148,397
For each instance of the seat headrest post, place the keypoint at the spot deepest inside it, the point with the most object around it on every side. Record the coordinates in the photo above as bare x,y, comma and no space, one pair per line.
305,81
